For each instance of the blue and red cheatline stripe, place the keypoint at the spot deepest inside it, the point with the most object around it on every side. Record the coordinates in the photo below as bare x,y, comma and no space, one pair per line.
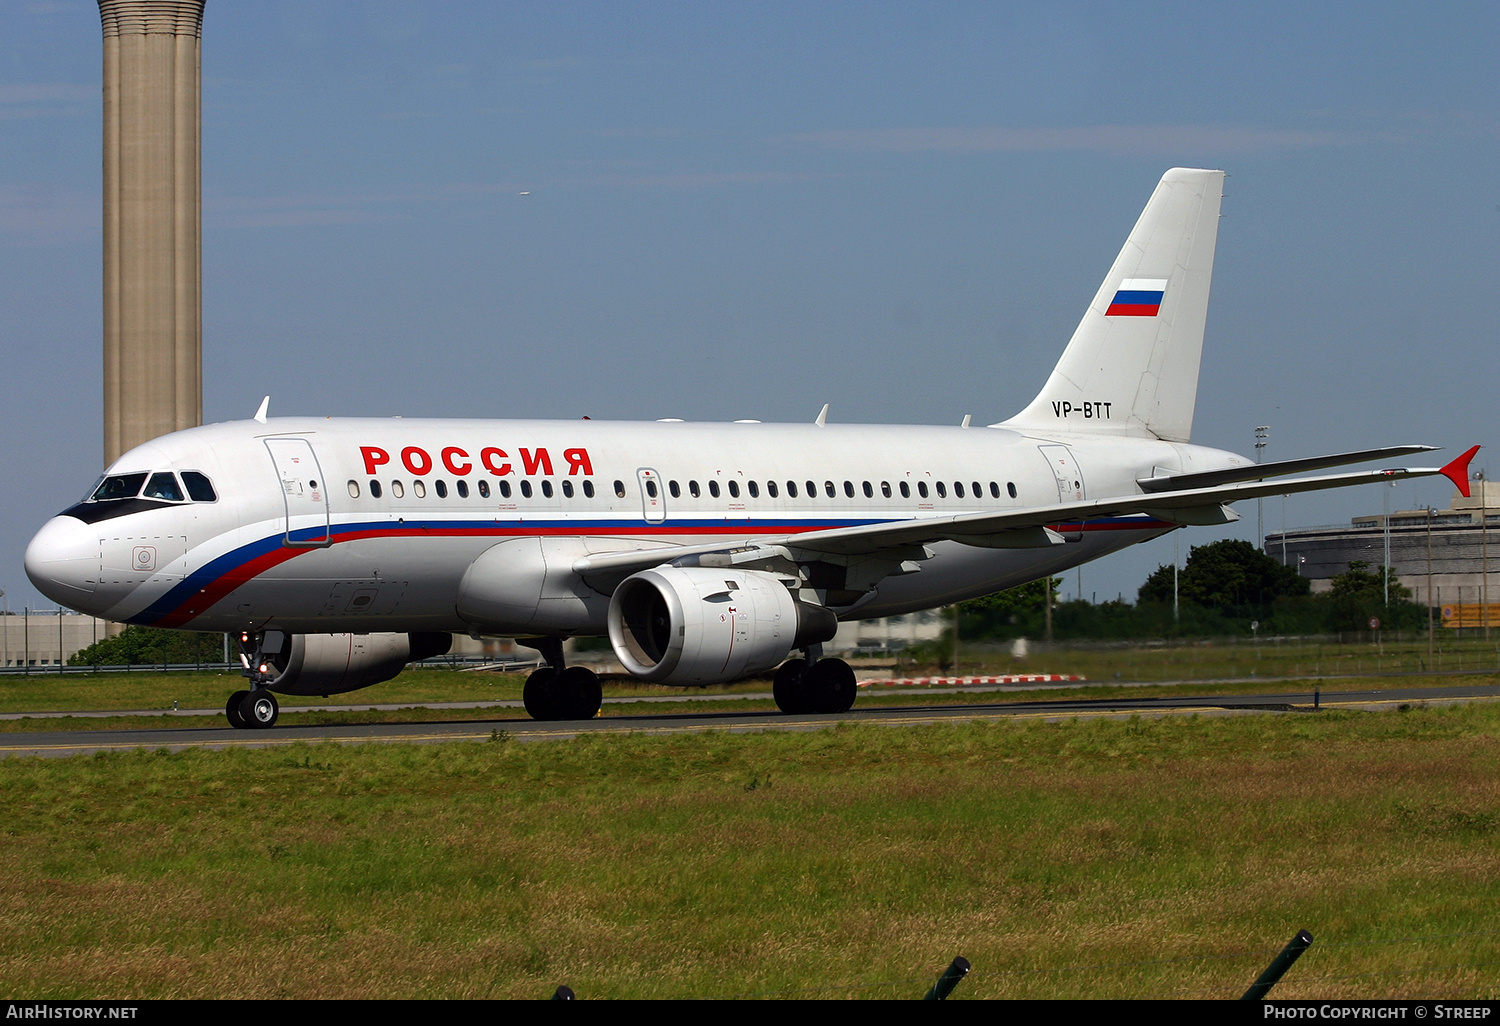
211,583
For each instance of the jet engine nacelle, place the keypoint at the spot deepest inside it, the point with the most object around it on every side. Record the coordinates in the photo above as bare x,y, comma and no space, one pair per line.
702,625
329,664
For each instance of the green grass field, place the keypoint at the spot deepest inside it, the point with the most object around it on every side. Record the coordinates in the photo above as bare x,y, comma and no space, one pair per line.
1129,858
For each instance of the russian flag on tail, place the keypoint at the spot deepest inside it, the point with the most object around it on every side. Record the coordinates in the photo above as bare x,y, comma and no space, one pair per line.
1137,297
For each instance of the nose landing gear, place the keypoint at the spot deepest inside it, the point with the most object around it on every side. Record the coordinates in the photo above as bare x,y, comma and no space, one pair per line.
250,710
256,709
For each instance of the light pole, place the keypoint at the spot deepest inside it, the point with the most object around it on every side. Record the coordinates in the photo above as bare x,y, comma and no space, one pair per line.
1262,432
1430,667
1484,553
1176,610
1283,530
1386,523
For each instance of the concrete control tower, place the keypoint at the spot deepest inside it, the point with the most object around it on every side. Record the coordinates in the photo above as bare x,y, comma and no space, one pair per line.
153,311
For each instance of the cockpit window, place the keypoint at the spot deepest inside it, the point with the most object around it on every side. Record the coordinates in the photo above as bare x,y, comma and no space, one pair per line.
163,486
123,486
200,489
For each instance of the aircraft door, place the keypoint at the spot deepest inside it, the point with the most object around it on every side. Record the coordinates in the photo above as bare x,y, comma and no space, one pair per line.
1069,484
303,491
653,497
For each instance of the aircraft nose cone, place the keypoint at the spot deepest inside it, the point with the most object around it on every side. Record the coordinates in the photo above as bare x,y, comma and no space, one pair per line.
63,561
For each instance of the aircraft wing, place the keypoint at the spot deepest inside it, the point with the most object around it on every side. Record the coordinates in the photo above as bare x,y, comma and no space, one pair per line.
1185,506
1033,526
1258,471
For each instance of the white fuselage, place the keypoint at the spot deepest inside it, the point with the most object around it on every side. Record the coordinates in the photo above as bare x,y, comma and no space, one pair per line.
298,539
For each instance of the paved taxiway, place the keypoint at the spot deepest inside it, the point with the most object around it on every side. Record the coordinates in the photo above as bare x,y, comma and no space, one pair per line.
483,728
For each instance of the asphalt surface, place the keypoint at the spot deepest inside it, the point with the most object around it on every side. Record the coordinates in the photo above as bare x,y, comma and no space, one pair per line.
485,725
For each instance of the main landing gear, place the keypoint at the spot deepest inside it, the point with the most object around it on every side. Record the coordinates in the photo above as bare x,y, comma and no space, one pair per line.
814,685
558,692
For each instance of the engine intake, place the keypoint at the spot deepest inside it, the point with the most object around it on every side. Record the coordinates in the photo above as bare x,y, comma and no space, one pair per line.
330,664
702,625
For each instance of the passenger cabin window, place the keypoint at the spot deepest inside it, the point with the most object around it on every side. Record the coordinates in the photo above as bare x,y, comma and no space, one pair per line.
734,489
828,487
199,488
619,489
567,487
849,489
958,489
163,486
504,489
1010,486
942,490
353,489
693,489
791,489
869,491
651,488
771,489
753,489
484,489
441,487
905,490
812,490
419,489
713,489
462,487
525,489
978,491
397,489
546,489
885,489
374,488
672,487
588,489
994,489
922,489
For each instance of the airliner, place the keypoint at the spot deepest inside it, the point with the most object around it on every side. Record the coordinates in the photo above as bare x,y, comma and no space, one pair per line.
339,550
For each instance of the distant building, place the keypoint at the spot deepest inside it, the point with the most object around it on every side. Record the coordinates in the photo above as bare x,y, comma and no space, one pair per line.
38,639
888,633
1444,556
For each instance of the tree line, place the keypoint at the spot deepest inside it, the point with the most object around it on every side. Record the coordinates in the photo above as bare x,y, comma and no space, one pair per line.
1226,587
151,646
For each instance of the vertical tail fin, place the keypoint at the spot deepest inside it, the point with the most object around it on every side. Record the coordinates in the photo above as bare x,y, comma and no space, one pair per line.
1132,365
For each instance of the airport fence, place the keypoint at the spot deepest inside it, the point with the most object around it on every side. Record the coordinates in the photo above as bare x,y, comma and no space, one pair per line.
1362,653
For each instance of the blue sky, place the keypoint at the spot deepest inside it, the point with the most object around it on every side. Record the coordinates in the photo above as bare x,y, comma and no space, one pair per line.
717,211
